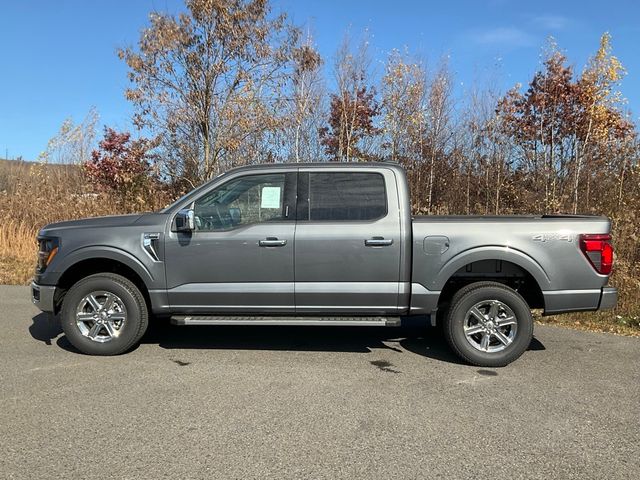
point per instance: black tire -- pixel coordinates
(462, 303)
(132, 328)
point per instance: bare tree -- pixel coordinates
(306, 103)
(437, 129)
(404, 91)
(74, 142)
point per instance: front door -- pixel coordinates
(347, 257)
(240, 257)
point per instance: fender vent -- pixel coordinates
(150, 243)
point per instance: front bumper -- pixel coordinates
(42, 296)
(608, 298)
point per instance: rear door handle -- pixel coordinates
(378, 242)
(272, 242)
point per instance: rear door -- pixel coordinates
(347, 241)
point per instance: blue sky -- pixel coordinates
(57, 58)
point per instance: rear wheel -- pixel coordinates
(488, 324)
(104, 314)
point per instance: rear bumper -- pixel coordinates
(42, 296)
(563, 301)
(608, 298)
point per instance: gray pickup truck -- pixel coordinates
(320, 244)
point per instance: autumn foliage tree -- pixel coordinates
(122, 167)
(417, 121)
(210, 82)
(600, 124)
(350, 121)
(564, 128)
(353, 108)
(541, 122)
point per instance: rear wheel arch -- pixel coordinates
(499, 270)
(496, 254)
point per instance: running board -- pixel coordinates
(298, 321)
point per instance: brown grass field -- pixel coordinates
(32, 195)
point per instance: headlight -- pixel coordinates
(47, 249)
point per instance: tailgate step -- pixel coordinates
(257, 320)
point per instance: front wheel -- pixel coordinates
(488, 324)
(104, 314)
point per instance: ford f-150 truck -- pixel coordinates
(320, 244)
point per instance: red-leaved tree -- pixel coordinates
(350, 122)
(123, 167)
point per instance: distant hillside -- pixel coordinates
(19, 172)
(25, 164)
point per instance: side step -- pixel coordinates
(250, 320)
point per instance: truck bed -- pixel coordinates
(546, 247)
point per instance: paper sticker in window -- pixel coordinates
(270, 197)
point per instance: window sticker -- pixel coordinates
(270, 197)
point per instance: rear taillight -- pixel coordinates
(599, 251)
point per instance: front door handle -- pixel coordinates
(272, 242)
(378, 242)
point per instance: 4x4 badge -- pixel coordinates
(545, 237)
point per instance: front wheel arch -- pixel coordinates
(92, 266)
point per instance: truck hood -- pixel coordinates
(96, 222)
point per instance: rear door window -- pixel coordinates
(344, 196)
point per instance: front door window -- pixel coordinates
(245, 201)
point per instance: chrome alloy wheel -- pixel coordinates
(490, 326)
(100, 316)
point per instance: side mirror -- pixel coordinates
(185, 220)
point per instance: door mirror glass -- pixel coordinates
(185, 220)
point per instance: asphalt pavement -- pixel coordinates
(295, 402)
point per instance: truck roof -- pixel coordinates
(327, 164)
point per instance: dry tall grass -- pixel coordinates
(33, 195)
(17, 251)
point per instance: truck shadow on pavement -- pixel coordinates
(425, 341)
(45, 328)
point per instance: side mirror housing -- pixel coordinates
(185, 220)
